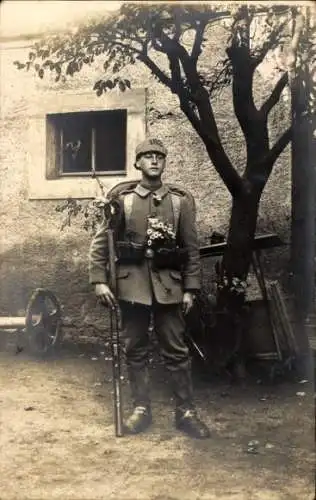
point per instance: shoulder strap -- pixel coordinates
(176, 207)
(180, 191)
(122, 188)
(128, 206)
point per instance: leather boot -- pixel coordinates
(188, 422)
(181, 383)
(186, 417)
(139, 385)
(139, 420)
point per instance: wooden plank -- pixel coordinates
(284, 317)
(261, 242)
(12, 322)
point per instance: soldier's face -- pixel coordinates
(151, 164)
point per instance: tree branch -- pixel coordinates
(177, 24)
(279, 146)
(196, 49)
(264, 166)
(243, 71)
(176, 75)
(217, 155)
(164, 79)
(275, 95)
(192, 117)
(224, 167)
(128, 48)
(206, 126)
(243, 102)
(199, 95)
(184, 97)
(260, 171)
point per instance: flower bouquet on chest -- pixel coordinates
(160, 234)
(161, 244)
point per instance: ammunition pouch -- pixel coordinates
(129, 252)
(170, 258)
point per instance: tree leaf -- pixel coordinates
(122, 85)
(109, 84)
(69, 70)
(19, 65)
(106, 65)
(48, 64)
(97, 84)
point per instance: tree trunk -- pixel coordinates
(237, 258)
(303, 187)
(232, 274)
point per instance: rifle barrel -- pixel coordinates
(115, 342)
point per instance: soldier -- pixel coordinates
(158, 272)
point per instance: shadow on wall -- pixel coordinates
(58, 265)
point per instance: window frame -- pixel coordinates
(43, 180)
(92, 127)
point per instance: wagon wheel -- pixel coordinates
(43, 321)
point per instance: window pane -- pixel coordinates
(110, 140)
(86, 139)
(75, 142)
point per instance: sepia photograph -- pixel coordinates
(157, 240)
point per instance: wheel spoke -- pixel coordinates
(43, 320)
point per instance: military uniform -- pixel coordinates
(141, 283)
(144, 288)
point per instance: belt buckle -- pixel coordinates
(149, 253)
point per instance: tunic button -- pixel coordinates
(149, 253)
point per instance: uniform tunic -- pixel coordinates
(140, 283)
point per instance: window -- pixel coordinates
(72, 132)
(87, 141)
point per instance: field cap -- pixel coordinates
(151, 145)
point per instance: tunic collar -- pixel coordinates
(159, 193)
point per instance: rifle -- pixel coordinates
(115, 341)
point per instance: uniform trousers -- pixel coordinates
(169, 327)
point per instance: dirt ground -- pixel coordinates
(57, 437)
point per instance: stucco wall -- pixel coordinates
(33, 250)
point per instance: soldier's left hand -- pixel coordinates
(187, 302)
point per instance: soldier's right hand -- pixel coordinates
(105, 296)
